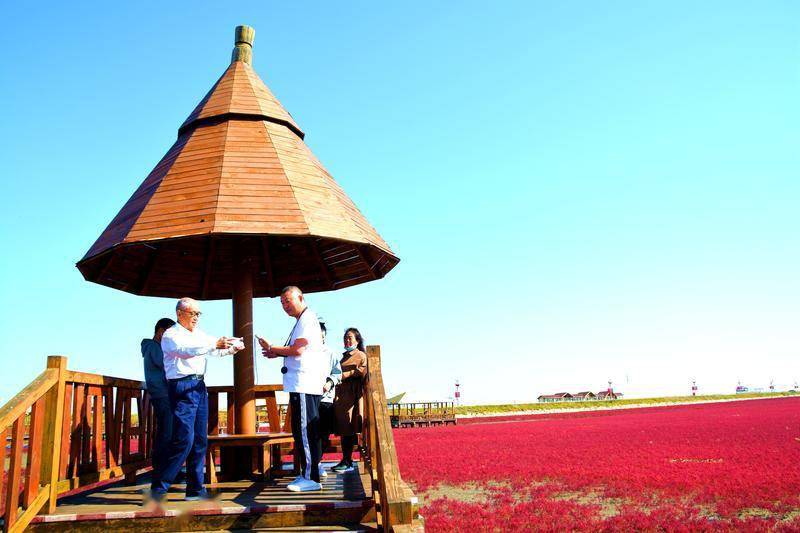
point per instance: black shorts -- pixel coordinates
(327, 421)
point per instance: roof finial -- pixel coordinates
(243, 51)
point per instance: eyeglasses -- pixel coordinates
(192, 313)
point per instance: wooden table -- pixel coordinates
(266, 454)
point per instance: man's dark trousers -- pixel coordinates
(305, 430)
(163, 436)
(188, 399)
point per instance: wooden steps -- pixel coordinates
(343, 503)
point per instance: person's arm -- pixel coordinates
(156, 358)
(359, 371)
(335, 376)
(221, 352)
(201, 345)
(295, 349)
(336, 371)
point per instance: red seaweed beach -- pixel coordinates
(712, 467)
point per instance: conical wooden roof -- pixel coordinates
(239, 175)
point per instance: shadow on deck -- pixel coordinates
(344, 501)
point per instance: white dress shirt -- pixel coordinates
(185, 351)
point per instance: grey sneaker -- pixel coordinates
(304, 485)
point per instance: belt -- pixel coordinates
(195, 377)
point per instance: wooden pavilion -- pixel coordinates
(237, 208)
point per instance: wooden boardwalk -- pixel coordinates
(345, 500)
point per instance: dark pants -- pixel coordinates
(162, 437)
(188, 399)
(327, 424)
(305, 430)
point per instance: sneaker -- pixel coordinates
(304, 485)
(202, 495)
(322, 472)
(343, 466)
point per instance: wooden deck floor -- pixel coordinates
(345, 500)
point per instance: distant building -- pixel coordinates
(557, 397)
(585, 396)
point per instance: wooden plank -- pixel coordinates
(3, 453)
(110, 427)
(366, 262)
(66, 430)
(145, 427)
(273, 415)
(86, 435)
(14, 472)
(257, 388)
(67, 485)
(207, 270)
(97, 431)
(31, 510)
(141, 413)
(229, 422)
(34, 465)
(213, 413)
(20, 403)
(265, 255)
(147, 271)
(84, 378)
(126, 423)
(76, 437)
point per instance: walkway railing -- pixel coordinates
(395, 502)
(69, 430)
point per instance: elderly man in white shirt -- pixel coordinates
(186, 349)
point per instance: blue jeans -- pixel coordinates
(188, 399)
(163, 435)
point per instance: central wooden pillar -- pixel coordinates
(243, 375)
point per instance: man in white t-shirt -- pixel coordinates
(305, 369)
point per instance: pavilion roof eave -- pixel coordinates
(227, 234)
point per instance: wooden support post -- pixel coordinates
(243, 375)
(54, 419)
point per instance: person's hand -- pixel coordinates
(223, 343)
(269, 354)
(264, 344)
(328, 385)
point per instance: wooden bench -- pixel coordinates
(266, 452)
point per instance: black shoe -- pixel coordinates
(343, 466)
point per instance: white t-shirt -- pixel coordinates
(306, 373)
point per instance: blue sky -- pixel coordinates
(577, 191)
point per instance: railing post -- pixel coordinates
(54, 418)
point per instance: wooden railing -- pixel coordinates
(422, 414)
(69, 430)
(395, 501)
(262, 392)
(101, 437)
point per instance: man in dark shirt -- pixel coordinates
(159, 394)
